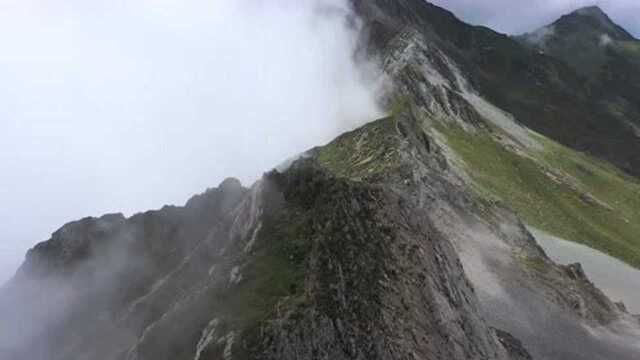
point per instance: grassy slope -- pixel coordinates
(276, 272)
(559, 190)
(362, 153)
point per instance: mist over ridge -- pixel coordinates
(139, 104)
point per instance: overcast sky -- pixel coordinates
(518, 16)
(123, 106)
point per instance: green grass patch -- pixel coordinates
(362, 153)
(561, 191)
(275, 275)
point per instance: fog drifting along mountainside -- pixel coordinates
(138, 104)
(402, 239)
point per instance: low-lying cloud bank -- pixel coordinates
(124, 106)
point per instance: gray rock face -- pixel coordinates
(513, 346)
(383, 284)
(402, 263)
(338, 269)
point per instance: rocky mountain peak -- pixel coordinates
(592, 11)
(230, 184)
(588, 26)
(589, 19)
(581, 38)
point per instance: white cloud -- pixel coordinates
(605, 40)
(540, 36)
(125, 106)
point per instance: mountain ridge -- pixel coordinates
(605, 55)
(402, 239)
(602, 19)
(542, 92)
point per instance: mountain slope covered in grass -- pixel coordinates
(566, 193)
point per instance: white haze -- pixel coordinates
(123, 106)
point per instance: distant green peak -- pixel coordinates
(593, 10)
(594, 13)
(591, 18)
